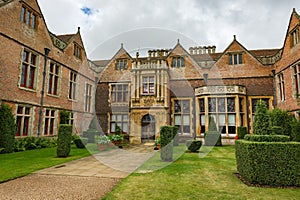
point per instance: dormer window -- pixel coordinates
(28, 17)
(121, 64)
(178, 62)
(295, 37)
(77, 51)
(235, 58)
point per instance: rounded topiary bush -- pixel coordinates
(8, 129)
(193, 145)
(64, 140)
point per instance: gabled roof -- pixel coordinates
(65, 38)
(101, 63)
(264, 52)
(206, 56)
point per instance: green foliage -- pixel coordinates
(102, 139)
(269, 163)
(30, 143)
(116, 137)
(166, 137)
(176, 136)
(7, 129)
(295, 133)
(212, 138)
(280, 122)
(193, 145)
(212, 124)
(242, 131)
(267, 138)
(64, 140)
(261, 119)
(64, 116)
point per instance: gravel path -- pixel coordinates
(56, 187)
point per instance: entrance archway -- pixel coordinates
(148, 128)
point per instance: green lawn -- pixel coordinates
(195, 176)
(19, 164)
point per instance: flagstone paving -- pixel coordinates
(87, 178)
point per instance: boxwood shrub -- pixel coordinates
(242, 131)
(8, 129)
(166, 143)
(64, 140)
(267, 138)
(193, 145)
(269, 163)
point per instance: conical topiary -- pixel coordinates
(261, 119)
(212, 124)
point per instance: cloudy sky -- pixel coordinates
(145, 24)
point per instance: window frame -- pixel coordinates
(77, 51)
(29, 70)
(54, 78)
(29, 17)
(235, 58)
(295, 36)
(177, 62)
(295, 69)
(182, 111)
(150, 85)
(117, 94)
(73, 85)
(121, 64)
(23, 121)
(281, 87)
(88, 97)
(119, 120)
(50, 122)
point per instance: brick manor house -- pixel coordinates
(26, 47)
(183, 88)
(42, 74)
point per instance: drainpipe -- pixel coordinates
(42, 91)
(274, 88)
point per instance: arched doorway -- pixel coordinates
(148, 128)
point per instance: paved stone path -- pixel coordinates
(87, 178)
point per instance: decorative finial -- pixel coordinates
(234, 37)
(121, 45)
(78, 28)
(294, 9)
(178, 41)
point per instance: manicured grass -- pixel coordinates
(195, 176)
(14, 165)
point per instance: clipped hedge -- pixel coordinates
(242, 131)
(193, 145)
(267, 138)
(64, 140)
(269, 163)
(212, 138)
(166, 142)
(8, 129)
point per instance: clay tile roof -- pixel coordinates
(65, 38)
(264, 52)
(206, 57)
(101, 63)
